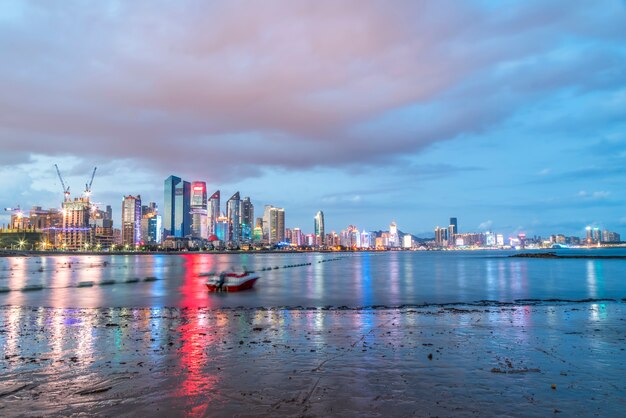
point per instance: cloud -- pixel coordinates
(242, 87)
(484, 226)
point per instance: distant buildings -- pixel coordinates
(246, 212)
(76, 232)
(233, 218)
(177, 207)
(131, 220)
(151, 225)
(214, 212)
(198, 207)
(318, 228)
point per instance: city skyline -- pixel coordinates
(508, 115)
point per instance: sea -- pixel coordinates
(312, 279)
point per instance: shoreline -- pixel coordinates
(502, 361)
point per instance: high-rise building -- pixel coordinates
(109, 212)
(275, 224)
(222, 229)
(131, 220)
(454, 225)
(441, 236)
(246, 211)
(77, 233)
(232, 213)
(151, 224)
(318, 230)
(297, 238)
(394, 239)
(176, 208)
(214, 212)
(257, 233)
(199, 213)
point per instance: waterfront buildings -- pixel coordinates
(318, 228)
(151, 225)
(273, 224)
(394, 239)
(232, 215)
(76, 232)
(199, 212)
(176, 208)
(246, 212)
(131, 220)
(214, 212)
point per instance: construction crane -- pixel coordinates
(66, 190)
(88, 185)
(18, 211)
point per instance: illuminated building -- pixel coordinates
(407, 241)
(49, 222)
(608, 236)
(499, 240)
(454, 225)
(597, 236)
(77, 233)
(589, 235)
(366, 239)
(131, 220)
(318, 228)
(151, 224)
(273, 224)
(214, 212)
(394, 240)
(199, 218)
(441, 236)
(257, 234)
(246, 212)
(222, 229)
(232, 213)
(297, 237)
(102, 228)
(176, 211)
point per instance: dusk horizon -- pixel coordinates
(509, 116)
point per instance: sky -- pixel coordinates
(509, 115)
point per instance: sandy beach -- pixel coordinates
(534, 360)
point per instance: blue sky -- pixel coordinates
(509, 115)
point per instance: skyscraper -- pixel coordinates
(199, 226)
(246, 212)
(318, 228)
(214, 212)
(131, 220)
(151, 224)
(176, 213)
(454, 225)
(276, 225)
(232, 213)
(394, 239)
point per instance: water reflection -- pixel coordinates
(365, 279)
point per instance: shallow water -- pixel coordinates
(516, 361)
(88, 335)
(348, 279)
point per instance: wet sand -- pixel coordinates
(538, 360)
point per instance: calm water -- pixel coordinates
(354, 280)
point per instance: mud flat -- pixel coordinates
(520, 360)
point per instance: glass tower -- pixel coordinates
(232, 213)
(319, 228)
(176, 207)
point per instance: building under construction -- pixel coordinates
(77, 233)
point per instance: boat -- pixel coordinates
(234, 282)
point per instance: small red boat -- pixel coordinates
(233, 282)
